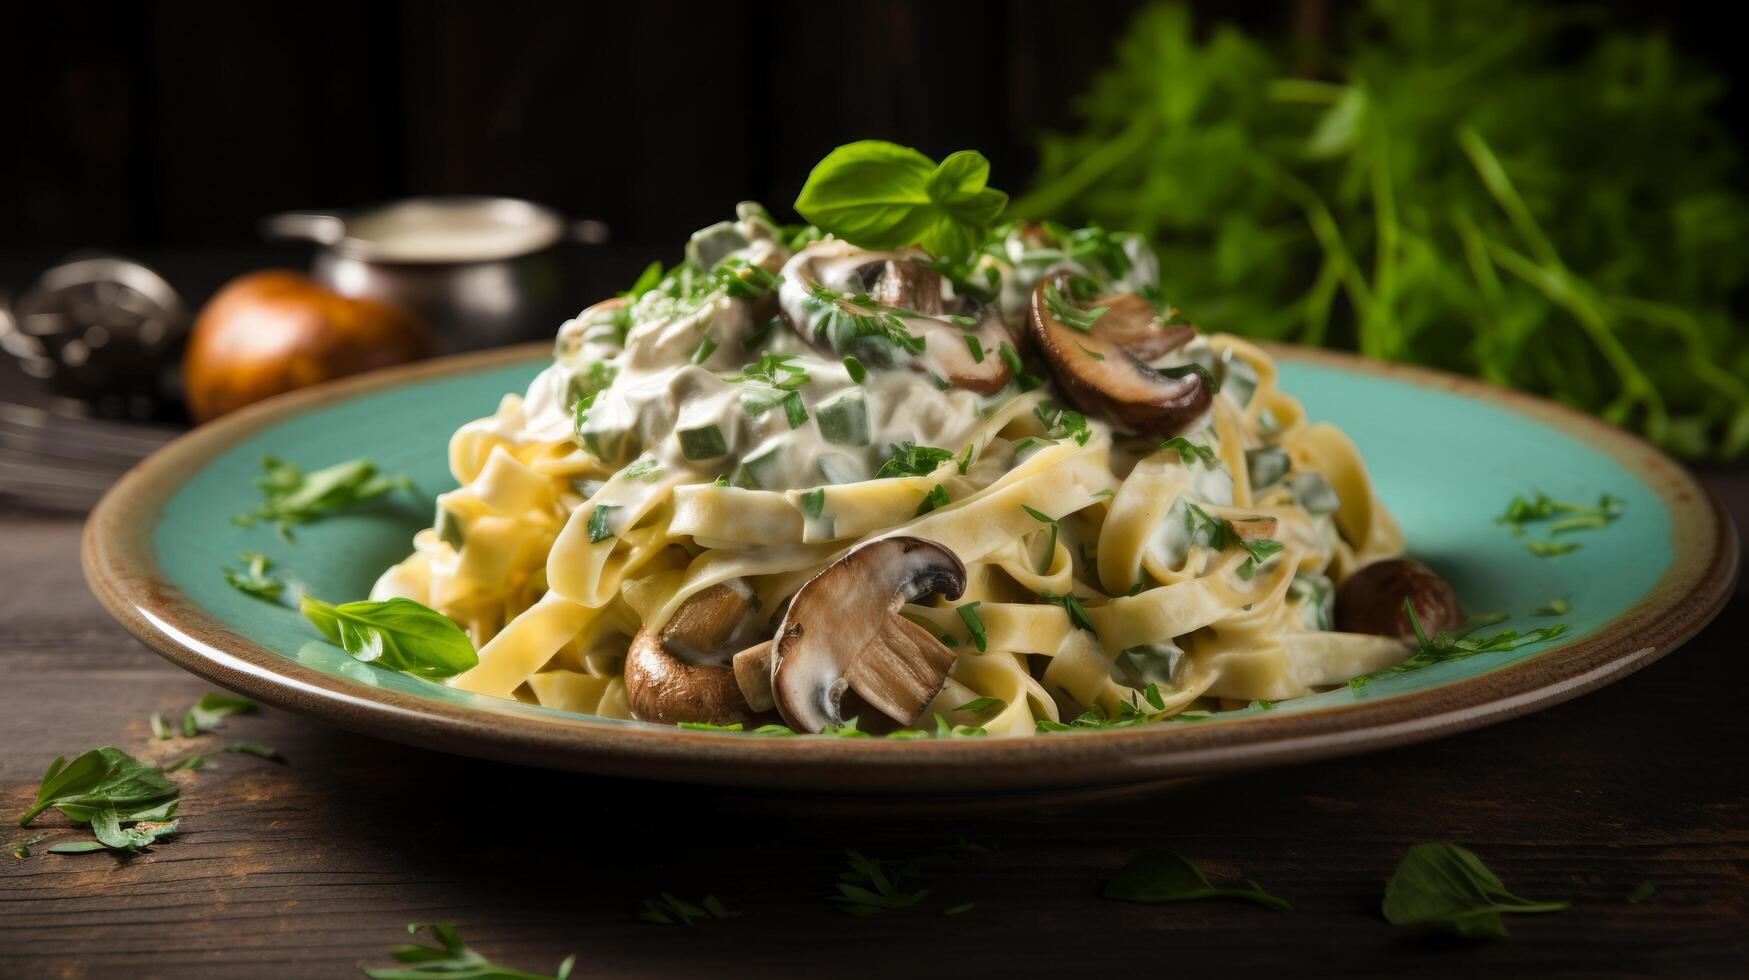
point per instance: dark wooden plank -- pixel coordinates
(310, 869)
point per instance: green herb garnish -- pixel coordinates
(252, 579)
(600, 523)
(1445, 646)
(1070, 314)
(1051, 546)
(1160, 875)
(210, 711)
(451, 958)
(399, 634)
(666, 910)
(910, 459)
(291, 496)
(1188, 451)
(1442, 886)
(866, 888)
(880, 195)
(1071, 604)
(105, 779)
(257, 750)
(1640, 893)
(706, 347)
(854, 368)
(1551, 549)
(936, 497)
(968, 614)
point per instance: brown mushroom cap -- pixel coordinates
(903, 284)
(677, 674)
(1104, 371)
(843, 632)
(1371, 600)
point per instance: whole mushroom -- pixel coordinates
(682, 672)
(898, 285)
(843, 632)
(1103, 369)
(1371, 600)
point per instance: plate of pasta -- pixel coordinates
(801, 512)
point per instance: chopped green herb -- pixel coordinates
(843, 418)
(253, 579)
(1445, 646)
(772, 371)
(1068, 313)
(1443, 887)
(814, 502)
(968, 614)
(1556, 607)
(1178, 371)
(958, 909)
(1160, 875)
(256, 749)
(1640, 893)
(1011, 358)
(643, 468)
(451, 958)
(705, 726)
(976, 347)
(1551, 549)
(982, 704)
(854, 368)
(1259, 705)
(866, 888)
(1105, 494)
(967, 457)
(1071, 605)
(193, 763)
(291, 496)
(160, 728)
(1188, 451)
(211, 711)
(706, 347)
(1090, 352)
(910, 459)
(1050, 547)
(936, 497)
(397, 633)
(600, 523)
(666, 910)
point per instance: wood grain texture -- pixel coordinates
(314, 868)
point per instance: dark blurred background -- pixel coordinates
(177, 124)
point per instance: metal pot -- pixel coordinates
(480, 271)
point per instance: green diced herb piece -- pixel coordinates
(837, 468)
(1068, 313)
(1189, 451)
(253, 579)
(211, 711)
(814, 502)
(1640, 893)
(1011, 358)
(1160, 875)
(702, 443)
(1314, 493)
(1151, 663)
(1071, 604)
(1051, 547)
(967, 457)
(1556, 607)
(399, 634)
(448, 528)
(760, 467)
(795, 411)
(1267, 466)
(854, 368)
(982, 704)
(976, 347)
(1441, 886)
(843, 419)
(910, 459)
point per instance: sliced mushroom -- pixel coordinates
(1104, 370)
(1254, 528)
(1371, 600)
(898, 285)
(680, 673)
(843, 632)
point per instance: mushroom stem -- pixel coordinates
(753, 676)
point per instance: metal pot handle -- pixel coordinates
(322, 227)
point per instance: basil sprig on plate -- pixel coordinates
(881, 195)
(399, 634)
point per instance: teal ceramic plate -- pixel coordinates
(1447, 454)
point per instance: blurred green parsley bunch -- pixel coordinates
(1517, 191)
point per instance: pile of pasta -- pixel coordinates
(552, 606)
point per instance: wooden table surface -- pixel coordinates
(313, 868)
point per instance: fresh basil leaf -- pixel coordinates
(1443, 887)
(1160, 875)
(399, 634)
(881, 195)
(291, 496)
(103, 778)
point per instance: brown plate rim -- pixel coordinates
(121, 568)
